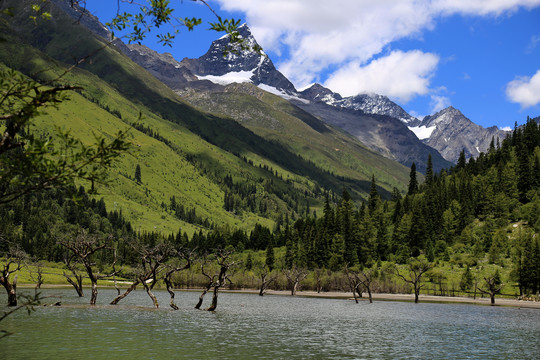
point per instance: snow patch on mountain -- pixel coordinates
(422, 132)
(281, 93)
(229, 78)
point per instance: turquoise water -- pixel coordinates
(247, 326)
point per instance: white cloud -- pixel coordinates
(399, 75)
(438, 103)
(319, 34)
(525, 90)
(506, 128)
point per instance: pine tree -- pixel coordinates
(373, 196)
(413, 183)
(429, 172)
(270, 257)
(462, 161)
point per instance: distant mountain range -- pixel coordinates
(374, 119)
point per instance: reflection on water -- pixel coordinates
(247, 326)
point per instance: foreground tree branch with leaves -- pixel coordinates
(30, 162)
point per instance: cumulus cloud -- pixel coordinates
(399, 75)
(525, 90)
(318, 35)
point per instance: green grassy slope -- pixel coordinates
(274, 118)
(194, 151)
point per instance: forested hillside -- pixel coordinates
(204, 184)
(210, 165)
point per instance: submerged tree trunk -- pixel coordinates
(170, 290)
(265, 282)
(369, 295)
(76, 284)
(151, 294)
(201, 297)
(126, 293)
(11, 289)
(93, 297)
(214, 298)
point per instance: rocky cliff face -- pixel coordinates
(239, 64)
(382, 133)
(452, 132)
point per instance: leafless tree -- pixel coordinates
(493, 286)
(294, 277)
(360, 279)
(14, 262)
(416, 268)
(217, 280)
(318, 279)
(82, 248)
(354, 283)
(153, 261)
(266, 280)
(185, 255)
(77, 279)
(39, 275)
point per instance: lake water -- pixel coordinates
(247, 326)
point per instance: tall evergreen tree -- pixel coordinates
(462, 161)
(413, 183)
(429, 172)
(373, 196)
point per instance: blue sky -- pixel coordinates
(480, 56)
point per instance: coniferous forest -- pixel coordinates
(473, 226)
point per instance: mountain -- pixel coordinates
(373, 119)
(450, 132)
(376, 121)
(385, 134)
(238, 64)
(368, 103)
(200, 158)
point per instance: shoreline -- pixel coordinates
(501, 302)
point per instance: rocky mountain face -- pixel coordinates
(368, 103)
(452, 132)
(240, 64)
(375, 120)
(382, 133)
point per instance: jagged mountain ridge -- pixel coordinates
(368, 103)
(452, 132)
(213, 71)
(385, 134)
(240, 62)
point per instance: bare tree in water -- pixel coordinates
(153, 259)
(14, 261)
(183, 255)
(416, 268)
(217, 280)
(493, 286)
(361, 278)
(294, 277)
(83, 248)
(266, 279)
(355, 285)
